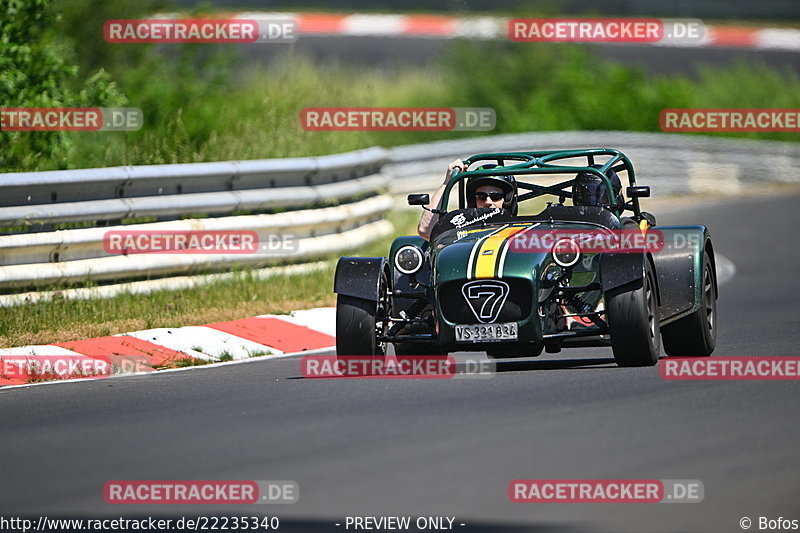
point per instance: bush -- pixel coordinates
(35, 71)
(202, 103)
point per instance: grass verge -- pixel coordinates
(234, 111)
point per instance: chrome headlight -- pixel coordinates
(408, 259)
(566, 252)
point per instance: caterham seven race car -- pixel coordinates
(590, 268)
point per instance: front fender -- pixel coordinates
(679, 266)
(360, 277)
(619, 269)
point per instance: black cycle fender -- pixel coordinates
(359, 277)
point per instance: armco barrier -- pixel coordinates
(33, 254)
(43, 198)
(669, 163)
(75, 255)
(208, 203)
(59, 186)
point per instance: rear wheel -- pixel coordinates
(632, 315)
(359, 323)
(696, 335)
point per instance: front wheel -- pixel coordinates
(632, 315)
(359, 323)
(696, 335)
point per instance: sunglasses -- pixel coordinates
(494, 195)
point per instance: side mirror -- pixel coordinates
(638, 191)
(419, 199)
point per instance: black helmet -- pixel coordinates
(590, 189)
(507, 183)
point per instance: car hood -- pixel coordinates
(493, 251)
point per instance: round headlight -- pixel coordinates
(566, 252)
(408, 259)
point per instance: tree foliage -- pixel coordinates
(37, 70)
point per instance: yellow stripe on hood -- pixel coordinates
(489, 251)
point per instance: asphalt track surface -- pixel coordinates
(448, 447)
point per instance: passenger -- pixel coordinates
(590, 190)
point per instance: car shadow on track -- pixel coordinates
(505, 365)
(483, 365)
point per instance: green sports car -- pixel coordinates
(513, 278)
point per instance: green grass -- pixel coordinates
(258, 353)
(201, 105)
(186, 362)
(225, 356)
(245, 296)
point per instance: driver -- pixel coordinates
(482, 191)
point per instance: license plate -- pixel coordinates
(486, 332)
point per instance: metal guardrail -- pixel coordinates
(668, 163)
(37, 188)
(33, 254)
(27, 259)
(175, 205)
(115, 193)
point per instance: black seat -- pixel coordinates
(572, 213)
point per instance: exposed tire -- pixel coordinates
(360, 321)
(632, 314)
(696, 335)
